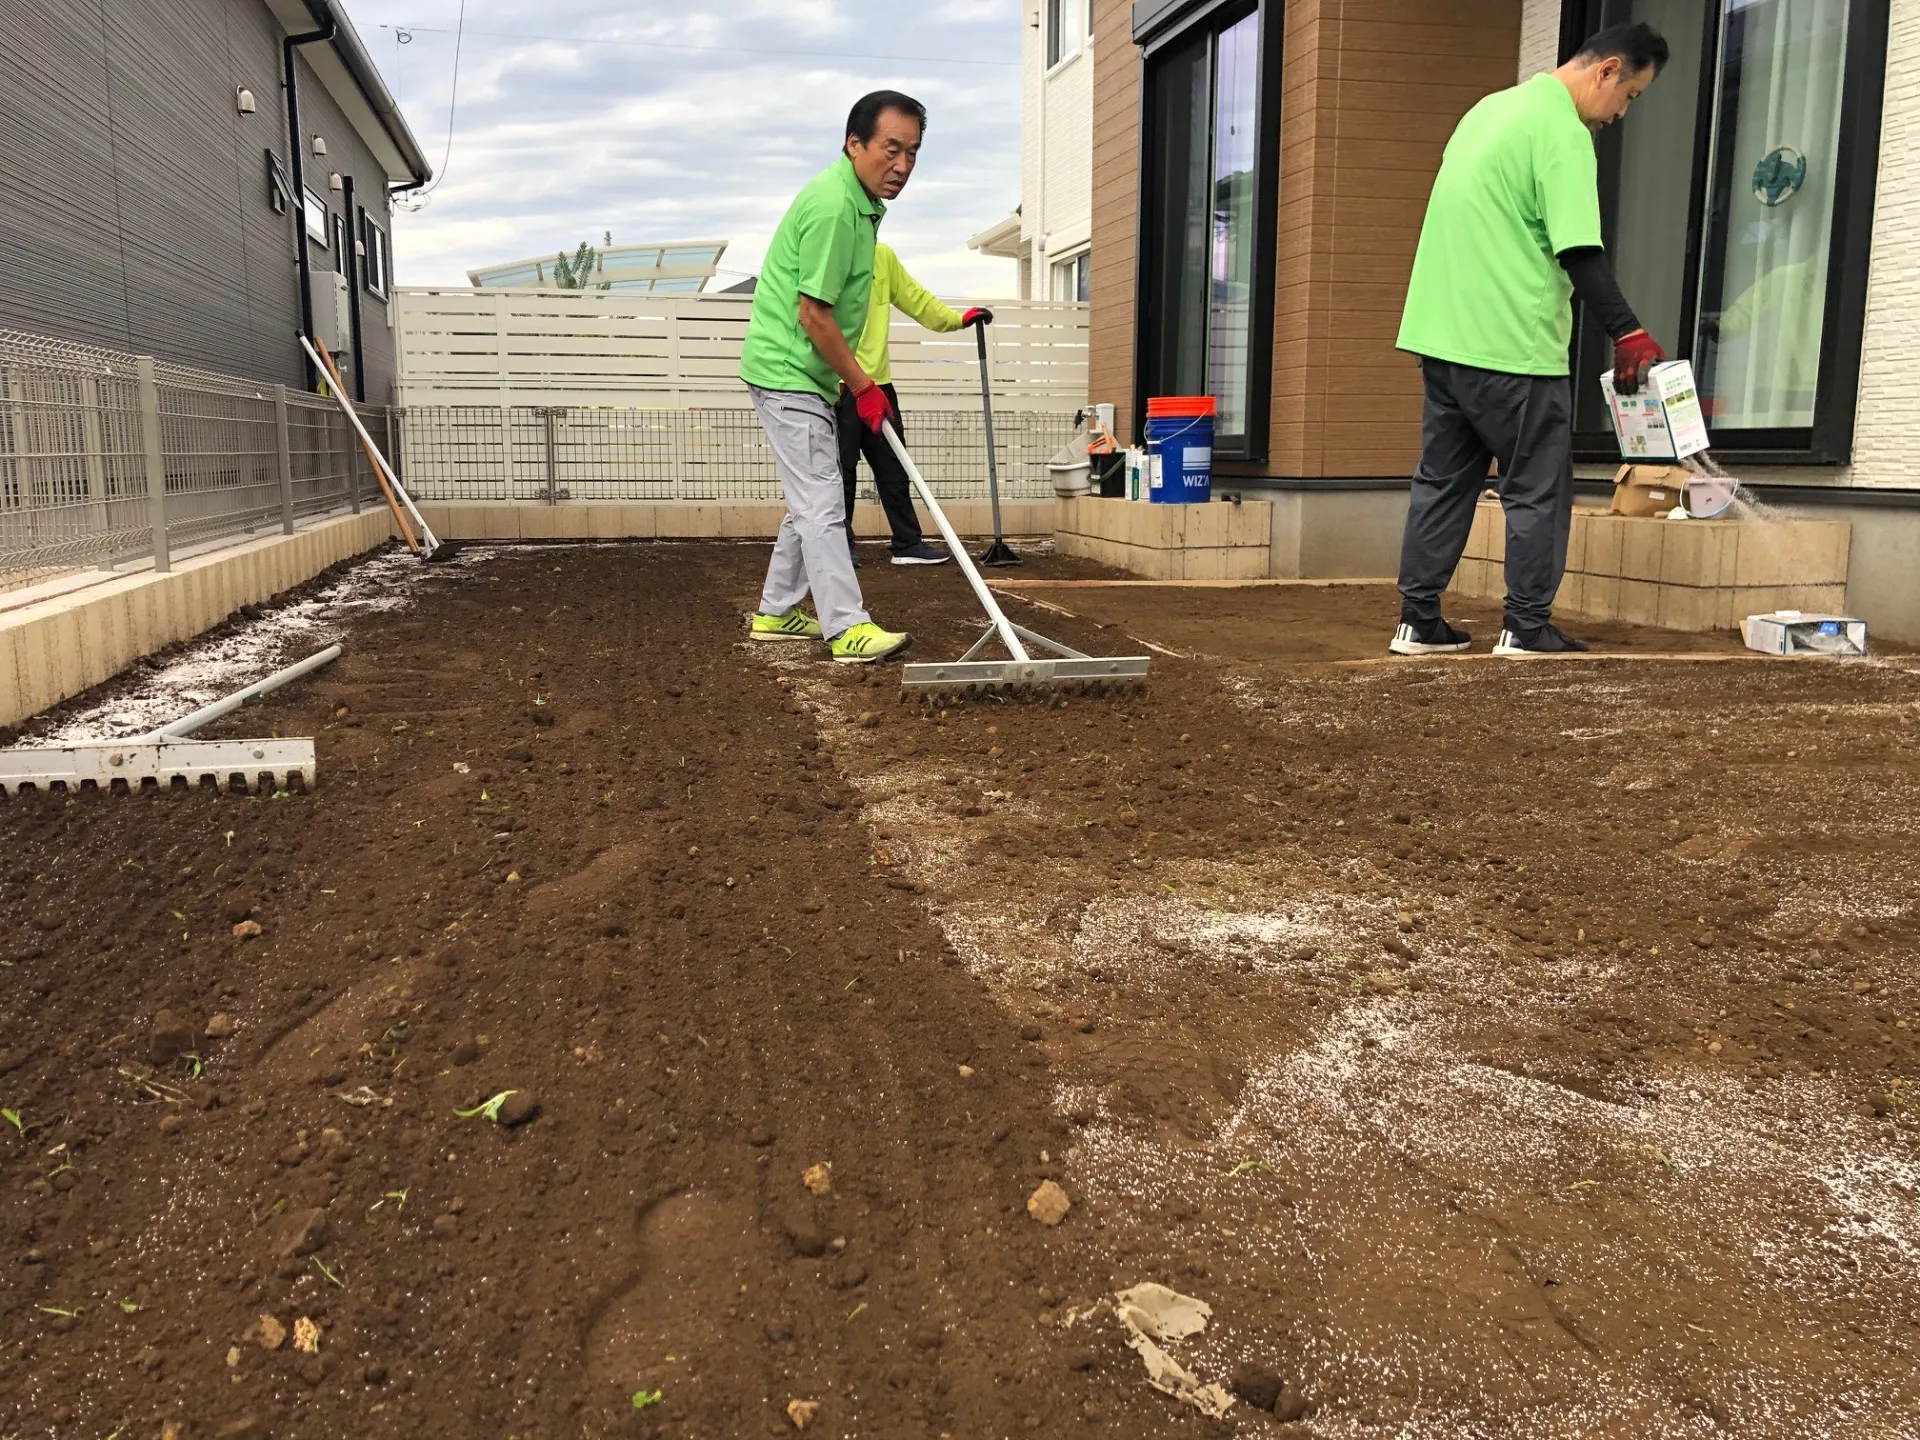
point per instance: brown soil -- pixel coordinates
(1506, 1050)
(1309, 624)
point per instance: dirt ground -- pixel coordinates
(1499, 1049)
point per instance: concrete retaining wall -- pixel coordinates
(55, 648)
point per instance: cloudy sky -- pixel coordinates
(693, 120)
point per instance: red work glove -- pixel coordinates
(874, 407)
(1633, 356)
(978, 315)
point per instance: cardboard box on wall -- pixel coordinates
(1664, 421)
(1643, 490)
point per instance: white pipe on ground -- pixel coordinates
(207, 714)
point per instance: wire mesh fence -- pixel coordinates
(109, 458)
(585, 453)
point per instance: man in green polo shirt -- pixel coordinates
(809, 308)
(1512, 234)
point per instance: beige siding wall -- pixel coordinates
(1887, 440)
(1115, 200)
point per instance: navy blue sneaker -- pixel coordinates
(921, 554)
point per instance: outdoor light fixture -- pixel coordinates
(319, 144)
(243, 100)
(333, 181)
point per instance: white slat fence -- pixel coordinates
(565, 395)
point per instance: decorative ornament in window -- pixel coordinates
(1779, 176)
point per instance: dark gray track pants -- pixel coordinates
(1473, 417)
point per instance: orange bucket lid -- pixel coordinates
(1168, 407)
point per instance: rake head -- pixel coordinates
(167, 764)
(1064, 672)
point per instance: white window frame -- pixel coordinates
(1060, 39)
(318, 219)
(375, 247)
(1074, 268)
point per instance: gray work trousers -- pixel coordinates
(1473, 417)
(810, 552)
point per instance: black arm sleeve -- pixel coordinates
(1592, 275)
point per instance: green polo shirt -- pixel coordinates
(1517, 186)
(823, 248)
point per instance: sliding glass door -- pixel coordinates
(1738, 196)
(1205, 284)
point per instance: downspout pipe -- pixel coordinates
(296, 156)
(352, 261)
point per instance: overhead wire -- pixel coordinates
(419, 197)
(723, 49)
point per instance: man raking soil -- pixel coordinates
(809, 310)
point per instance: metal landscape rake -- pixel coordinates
(166, 758)
(1060, 669)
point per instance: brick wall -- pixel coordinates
(1115, 202)
(1887, 441)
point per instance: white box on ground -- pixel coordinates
(1664, 421)
(1793, 632)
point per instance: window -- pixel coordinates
(316, 214)
(1062, 30)
(376, 260)
(340, 242)
(1208, 190)
(1072, 278)
(1738, 196)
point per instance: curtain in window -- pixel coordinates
(1763, 303)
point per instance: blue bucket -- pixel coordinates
(1180, 450)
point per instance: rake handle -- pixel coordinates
(389, 481)
(986, 410)
(1008, 635)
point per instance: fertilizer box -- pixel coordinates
(1793, 632)
(1664, 421)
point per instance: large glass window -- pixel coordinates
(1202, 326)
(1735, 192)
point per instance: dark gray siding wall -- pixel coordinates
(135, 210)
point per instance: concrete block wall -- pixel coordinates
(696, 520)
(1676, 574)
(55, 648)
(1168, 542)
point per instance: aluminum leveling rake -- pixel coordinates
(1060, 669)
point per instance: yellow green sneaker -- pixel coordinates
(791, 626)
(863, 644)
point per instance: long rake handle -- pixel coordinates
(986, 410)
(1008, 635)
(339, 388)
(389, 480)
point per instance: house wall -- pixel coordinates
(1539, 37)
(1371, 91)
(1115, 212)
(1056, 180)
(134, 209)
(1886, 444)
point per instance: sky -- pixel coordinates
(693, 120)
